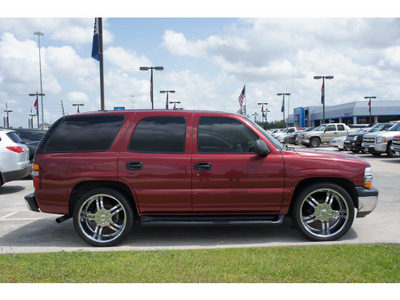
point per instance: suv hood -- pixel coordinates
(326, 154)
(382, 133)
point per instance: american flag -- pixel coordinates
(241, 97)
(322, 93)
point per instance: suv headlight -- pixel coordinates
(355, 138)
(368, 177)
(381, 139)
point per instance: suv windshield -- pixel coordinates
(320, 128)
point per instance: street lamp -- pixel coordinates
(151, 80)
(39, 34)
(167, 92)
(37, 106)
(7, 122)
(370, 106)
(174, 103)
(132, 100)
(283, 105)
(262, 109)
(323, 94)
(77, 110)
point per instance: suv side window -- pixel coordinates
(159, 135)
(341, 127)
(331, 128)
(84, 134)
(224, 135)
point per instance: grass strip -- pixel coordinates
(302, 264)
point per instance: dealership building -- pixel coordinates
(349, 113)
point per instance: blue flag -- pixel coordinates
(95, 46)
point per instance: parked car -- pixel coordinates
(338, 143)
(14, 157)
(324, 134)
(109, 170)
(380, 142)
(32, 138)
(395, 147)
(353, 141)
(280, 136)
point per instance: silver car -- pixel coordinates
(14, 157)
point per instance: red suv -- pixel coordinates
(109, 170)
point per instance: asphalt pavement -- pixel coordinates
(24, 231)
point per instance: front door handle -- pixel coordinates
(134, 165)
(202, 166)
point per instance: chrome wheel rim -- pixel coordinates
(324, 213)
(102, 218)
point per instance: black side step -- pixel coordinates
(272, 219)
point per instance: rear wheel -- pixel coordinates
(323, 212)
(103, 217)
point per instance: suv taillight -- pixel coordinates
(16, 149)
(35, 175)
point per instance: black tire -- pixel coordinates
(323, 211)
(389, 152)
(103, 217)
(315, 142)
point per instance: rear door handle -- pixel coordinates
(134, 165)
(202, 166)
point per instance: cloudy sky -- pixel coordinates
(207, 61)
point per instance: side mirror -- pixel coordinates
(261, 148)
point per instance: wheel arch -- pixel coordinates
(342, 182)
(83, 187)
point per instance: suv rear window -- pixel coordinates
(159, 135)
(84, 134)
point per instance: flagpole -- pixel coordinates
(102, 104)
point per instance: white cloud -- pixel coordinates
(125, 60)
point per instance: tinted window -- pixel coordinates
(331, 128)
(84, 134)
(14, 137)
(341, 127)
(224, 135)
(159, 135)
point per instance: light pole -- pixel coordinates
(167, 92)
(370, 106)
(283, 105)
(323, 94)
(39, 34)
(132, 100)
(262, 109)
(7, 123)
(37, 106)
(151, 80)
(175, 103)
(78, 104)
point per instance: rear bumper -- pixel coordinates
(367, 200)
(31, 203)
(17, 174)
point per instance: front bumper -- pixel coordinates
(375, 148)
(367, 200)
(396, 150)
(31, 203)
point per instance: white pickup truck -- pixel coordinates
(324, 133)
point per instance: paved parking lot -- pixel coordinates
(24, 231)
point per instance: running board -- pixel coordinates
(273, 219)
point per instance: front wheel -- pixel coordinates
(323, 212)
(103, 217)
(389, 151)
(315, 142)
